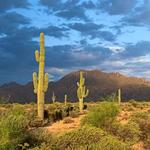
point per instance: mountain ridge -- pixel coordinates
(99, 83)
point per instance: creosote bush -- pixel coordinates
(13, 125)
(83, 136)
(129, 132)
(101, 115)
(107, 143)
(89, 138)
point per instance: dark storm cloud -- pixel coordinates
(9, 4)
(68, 56)
(69, 10)
(51, 4)
(75, 12)
(117, 7)
(11, 21)
(93, 30)
(140, 16)
(55, 31)
(141, 48)
(88, 4)
(17, 52)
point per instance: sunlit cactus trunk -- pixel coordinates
(41, 80)
(81, 91)
(119, 96)
(65, 100)
(53, 98)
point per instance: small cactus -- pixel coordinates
(81, 91)
(40, 81)
(53, 98)
(65, 99)
(119, 96)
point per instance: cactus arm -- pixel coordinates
(46, 79)
(37, 56)
(35, 82)
(87, 93)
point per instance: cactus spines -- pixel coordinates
(53, 98)
(119, 96)
(81, 91)
(40, 81)
(65, 99)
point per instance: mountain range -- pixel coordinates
(100, 84)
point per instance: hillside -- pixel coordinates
(99, 83)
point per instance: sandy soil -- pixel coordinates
(60, 126)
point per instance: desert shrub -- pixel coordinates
(133, 102)
(127, 107)
(89, 138)
(83, 136)
(40, 138)
(107, 143)
(110, 98)
(68, 120)
(74, 113)
(102, 114)
(129, 132)
(147, 143)
(13, 127)
(143, 120)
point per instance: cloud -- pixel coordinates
(68, 56)
(9, 4)
(51, 4)
(11, 21)
(93, 30)
(55, 31)
(117, 7)
(141, 15)
(69, 10)
(141, 48)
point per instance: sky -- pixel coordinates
(106, 35)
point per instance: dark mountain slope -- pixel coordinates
(99, 83)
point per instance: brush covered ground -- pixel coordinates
(101, 126)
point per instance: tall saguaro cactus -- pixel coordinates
(119, 96)
(41, 80)
(81, 91)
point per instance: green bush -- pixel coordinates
(129, 132)
(110, 98)
(101, 115)
(13, 127)
(133, 103)
(89, 138)
(80, 137)
(107, 143)
(143, 120)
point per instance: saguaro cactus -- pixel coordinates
(53, 98)
(65, 99)
(119, 96)
(81, 91)
(41, 80)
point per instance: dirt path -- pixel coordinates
(60, 126)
